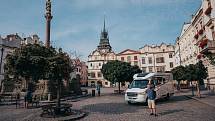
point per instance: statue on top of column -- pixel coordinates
(48, 6)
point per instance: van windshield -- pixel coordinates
(139, 84)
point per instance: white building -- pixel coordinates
(185, 49)
(34, 39)
(157, 58)
(198, 37)
(97, 58)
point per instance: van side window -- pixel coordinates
(159, 80)
(164, 80)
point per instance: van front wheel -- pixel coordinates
(129, 102)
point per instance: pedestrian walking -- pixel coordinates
(17, 99)
(25, 98)
(151, 93)
(98, 88)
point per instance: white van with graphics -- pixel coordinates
(136, 93)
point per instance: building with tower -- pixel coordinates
(97, 58)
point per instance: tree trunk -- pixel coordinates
(178, 85)
(119, 87)
(198, 90)
(58, 93)
(192, 88)
(1, 85)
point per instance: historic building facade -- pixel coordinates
(7, 46)
(80, 68)
(185, 50)
(157, 58)
(97, 58)
(130, 56)
(198, 37)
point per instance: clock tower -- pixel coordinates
(104, 44)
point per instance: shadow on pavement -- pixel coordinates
(173, 99)
(112, 108)
(170, 111)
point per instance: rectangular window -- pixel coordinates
(150, 60)
(160, 69)
(135, 57)
(160, 60)
(143, 60)
(128, 58)
(122, 58)
(170, 55)
(150, 69)
(143, 69)
(99, 74)
(171, 64)
(93, 75)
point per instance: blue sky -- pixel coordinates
(77, 24)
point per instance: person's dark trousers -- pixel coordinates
(98, 93)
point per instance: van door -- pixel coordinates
(160, 89)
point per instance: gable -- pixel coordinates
(128, 52)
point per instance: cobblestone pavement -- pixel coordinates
(112, 107)
(178, 108)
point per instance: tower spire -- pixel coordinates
(104, 29)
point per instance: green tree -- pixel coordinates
(75, 85)
(202, 73)
(29, 62)
(117, 71)
(59, 70)
(179, 73)
(197, 72)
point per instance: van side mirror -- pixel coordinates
(128, 85)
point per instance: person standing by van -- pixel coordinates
(98, 88)
(151, 93)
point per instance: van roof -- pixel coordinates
(148, 75)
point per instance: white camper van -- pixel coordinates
(136, 93)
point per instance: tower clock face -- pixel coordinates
(103, 50)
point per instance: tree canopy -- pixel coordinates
(118, 71)
(29, 62)
(33, 62)
(179, 73)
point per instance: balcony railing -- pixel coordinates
(205, 46)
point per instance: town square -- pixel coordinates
(106, 60)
